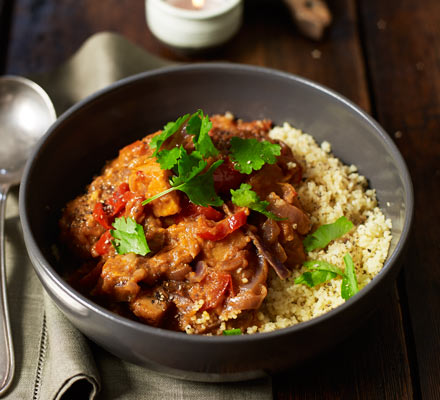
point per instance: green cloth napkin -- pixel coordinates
(53, 359)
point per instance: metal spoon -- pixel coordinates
(25, 114)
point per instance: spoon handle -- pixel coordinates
(6, 348)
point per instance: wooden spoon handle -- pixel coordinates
(310, 16)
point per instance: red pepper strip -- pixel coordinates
(190, 209)
(225, 227)
(231, 287)
(215, 289)
(104, 243)
(119, 199)
(104, 213)
(126, 197)
(101, 216)
(208, 212)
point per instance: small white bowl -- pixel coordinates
(193, 29)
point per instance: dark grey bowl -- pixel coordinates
(91, 132)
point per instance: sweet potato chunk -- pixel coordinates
(148, 180)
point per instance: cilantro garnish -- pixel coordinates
(231, 332)
(168, 158)
(199, 125)
(188, 168)
(200, 188)
(349, 282)
(251, 154)
(326, 233)
(247, 154)
(322, 271)
(129, 237)
(189, 179)
(168, 130)
(246, 197)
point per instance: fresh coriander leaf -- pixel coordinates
(231, 332)
(129, 237)
(188, 166)
(321, 271)
(323, 266)
(200, 188)
(246, 197)
(199, 125)
(194, 123)
(251, 154)
(156, 196)
(204, 142)
(314, 278)
(326, 233)
(168, 158)
(184, 165)
(168, 130)
(349, 283)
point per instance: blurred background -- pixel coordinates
(42, 34)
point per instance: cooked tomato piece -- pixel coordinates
(104, 244)
(119, 199)
(189, 209)
(209, 212)
(101, 216)
(226, 177)
(213, 289)
(105, 212)
(225, 227)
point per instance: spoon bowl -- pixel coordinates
(26, 112)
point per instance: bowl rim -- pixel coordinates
(91, 306)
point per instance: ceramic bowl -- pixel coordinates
(77, 145)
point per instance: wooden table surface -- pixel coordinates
(382, 55)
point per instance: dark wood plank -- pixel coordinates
(403, 41)
(371, 364)
(45, 33)
(268, 38)
(368, 365)
(5, 23)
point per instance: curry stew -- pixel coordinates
(208, 266)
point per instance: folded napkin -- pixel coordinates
(53, 359)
